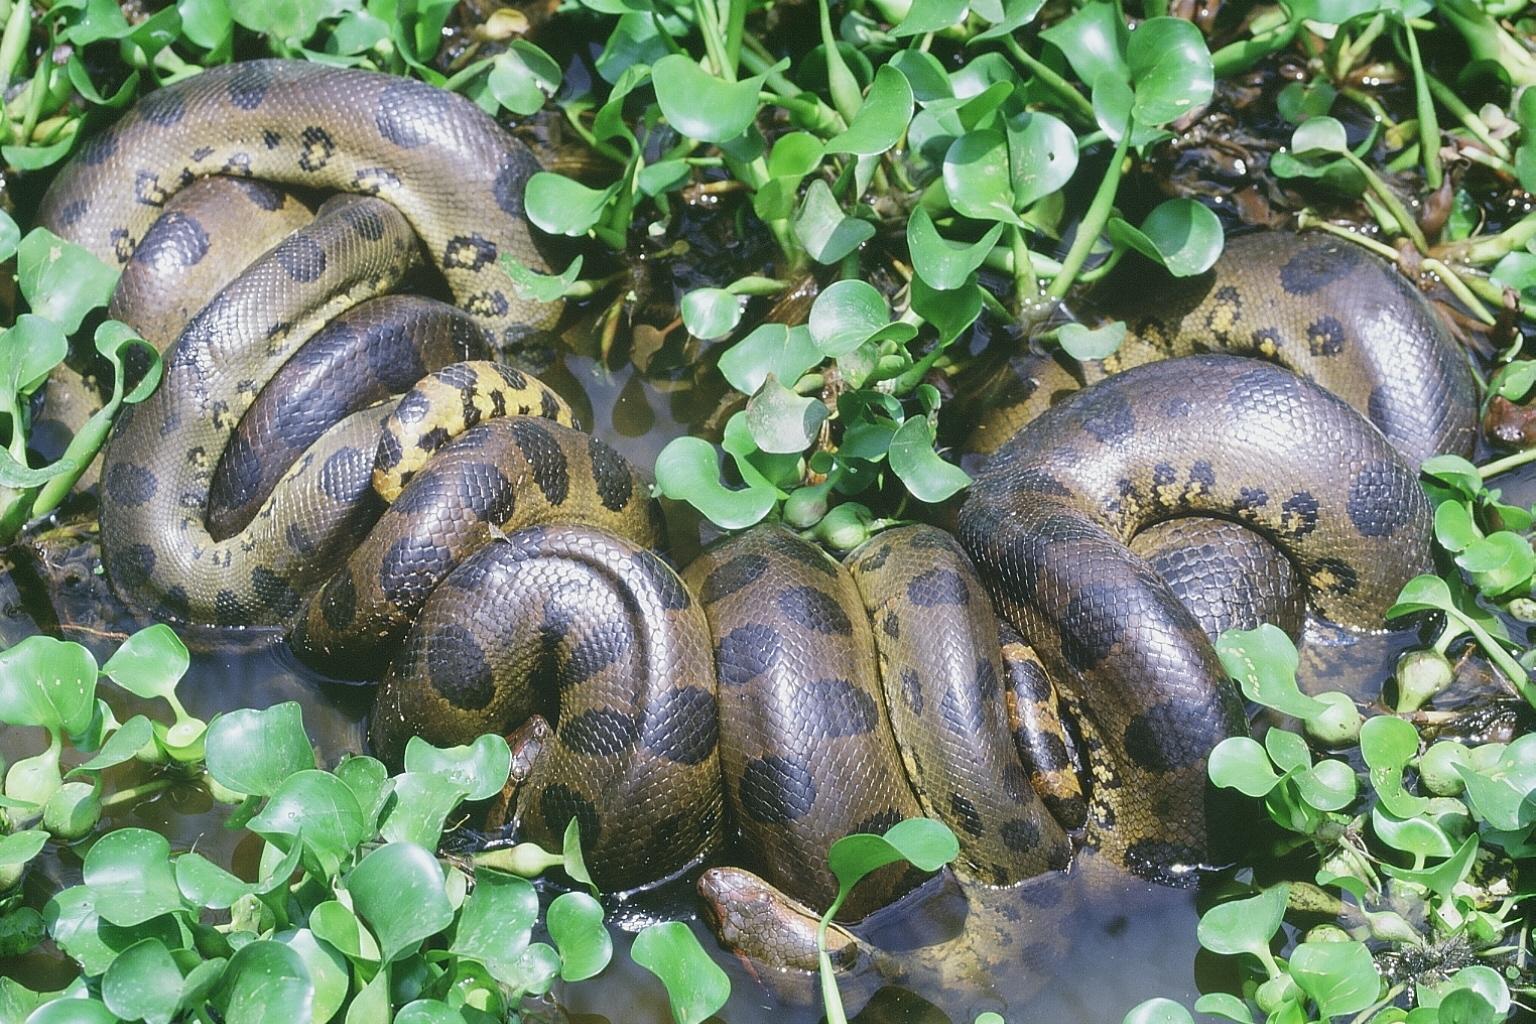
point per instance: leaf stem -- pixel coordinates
(1489, 470)
(1076, 103)
(134, 794)
(1094, 220)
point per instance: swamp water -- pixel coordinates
(1089, 949)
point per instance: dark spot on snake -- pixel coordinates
(1095, 625)
(390, 451)
(891, 624)
(364, 220)
(932, 540)
(128, 484)
(411, 114)
(487, 492)
(600, 732)
(1377, 504)
(1039, 481)
(1155, 740)
(746, 652)
(912, 690)
(879, 823)
(433, 439)
(413, 408)
(238, 476)
(549, 408)
(815, 610)
(297, 540)
(315, 148)
(663, 581)
(513, 377)
(874, 559)
(99, 149)
(371, 181)
(238, 165)
(345, 474)
(1105, 414)
(1250, 499)
(730, 577)
(1325, 336)
(1336, 575)
(544, 457)
(71, 212)
(808, 555)
(122, 248)
(1071, 811)
(1047, 753)
(986, 678)
(175, 604)
(133, 566)
(1027, 679)
(338, 601)
(270, 138)
(685, 727)
(1266, 341)
(610, 472)
(468, 252)
(458, 667)
(1158, 860)
(301, 256)
(248, 84)
(163, 108)
(424, 495)
(776, 790)
(228, 611)
(1298, 514)
(559, 803)
(458, 375)
(1310, 269)
(966, 815)
(835, 707)
(608, 641)
(938, 587)
(147, 190)
(1203, 476)
(274, 592)
(411, 568)
(1379, 410)
(175, 240)
(959, 715)
(1016, 783)
(1163, 475)
(508, 186)
(488, 303)
(1020, 835)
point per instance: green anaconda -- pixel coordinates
(769, 691)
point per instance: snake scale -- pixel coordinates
(508, 564)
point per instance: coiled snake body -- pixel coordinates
(770, 690)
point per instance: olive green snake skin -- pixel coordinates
(768, 693)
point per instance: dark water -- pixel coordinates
(1092, 942)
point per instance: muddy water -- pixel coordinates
(1091, 942)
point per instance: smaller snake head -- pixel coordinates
(768, 931)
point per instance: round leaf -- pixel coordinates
(827, 233)
(927, 476)
(782, 421)
(696, 986)
(700, 105)
(480, 768)
(1240, 763)
(942, 264)
(496, 922)
(48, 683)
(845, 315)
(1243, 926)
(149, 663)
(265, 981)
(575, 923)
(1340, 977)
(784, 352)
(561, 206)
(688, 470)
(143, 983)
(317, 809)
(882, 120)
(1187, 235)
(1170, 68)
(1158, 1011)
(1042, 152)
(978, 179)
(252, 752)
(397, 890)
(711, 313)
(129, 874)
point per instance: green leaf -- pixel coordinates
(950, 312)
(771, 349)
(711, 313)
(1328, 785)
(1158, 1011)
(327, 969)
(60, 280)
(1319, 136)
(978, 179)
(428, 1011)
(927, 476)
(336, 925)
(1264, 662)
(19, 847)
(49, 683)
(922, 842)
(125, 742)
(1340, 977)
(521, 77)
(1419, 836)
(1387, 744)
(562, 206)
(845, 315)
(397, 889)
(575, 923)
(72, 1011)
(149, 663)
(534, 286)
(10, 236)
(688, 470)
(1244, 926)
(252, 752)
(419, 806)
(1420, 594)
(143, 983)
(496, 922)
(700, 105)
(944, 265)
(925, 16)
(782, 421)
(882, 120)
(1094, 41)
(826, 232)
(1170, 70)
(1186, 236)
(481, 768)
(1224, 1004)
(318, 810)
(1086, 343)
(1240, 763)
(265, 981)
(1042, 156)
(1499, 563)
(130, 877)
(208, 885)
(696, 986)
